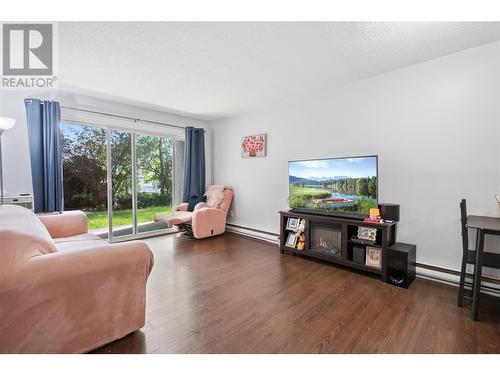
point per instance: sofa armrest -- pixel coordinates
(181, 207)
(208, 222)
(97, 261)
(70, 302)
(65, 224)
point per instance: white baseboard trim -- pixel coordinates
(253, 233)
(452, 279)
(443, 276)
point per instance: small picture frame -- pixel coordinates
(366, 233)
(291, 241)
(292, 223)
(373, 257)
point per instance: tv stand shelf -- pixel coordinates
(344, 231)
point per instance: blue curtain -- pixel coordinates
(194, 163)
(44, 117)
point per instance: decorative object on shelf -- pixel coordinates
(302, 227)
(365, 233)
(301, 241)
(301, 238)
(5, 124)
(291, 241)
(498, 199)
(373, 257)
(253, 145)
(374, 216)
(374, 213)
(292, 223)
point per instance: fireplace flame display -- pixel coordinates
(322, 243)
(326, 240)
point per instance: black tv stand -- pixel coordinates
(345, 231)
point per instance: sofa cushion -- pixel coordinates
(79, 242)
(79, 237)
(215, 195)
(22, 219)
(193, 201)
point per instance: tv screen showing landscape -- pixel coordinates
(342, 185)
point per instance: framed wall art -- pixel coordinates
(253, 146)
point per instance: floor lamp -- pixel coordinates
(5, 124)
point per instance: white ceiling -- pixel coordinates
(216, 70)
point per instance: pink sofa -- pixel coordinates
(204, 221)
(64, 290)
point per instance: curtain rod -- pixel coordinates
(122, 117)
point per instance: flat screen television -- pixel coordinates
(336, 186)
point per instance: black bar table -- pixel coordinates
(484, 225)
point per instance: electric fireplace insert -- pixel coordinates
(326, 240)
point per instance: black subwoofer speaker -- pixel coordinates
(401, 258)
(389, 211)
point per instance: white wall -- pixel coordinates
(16, 163)
(434, 125)
(15, 151)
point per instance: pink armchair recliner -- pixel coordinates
(206, 220)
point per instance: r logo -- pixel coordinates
(27, 49)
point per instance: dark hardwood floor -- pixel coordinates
(232, 294)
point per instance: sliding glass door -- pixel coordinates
(85, 173)
(122, 182)
(154, 157)
(119, 178)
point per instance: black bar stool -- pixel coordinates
(468, 256)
